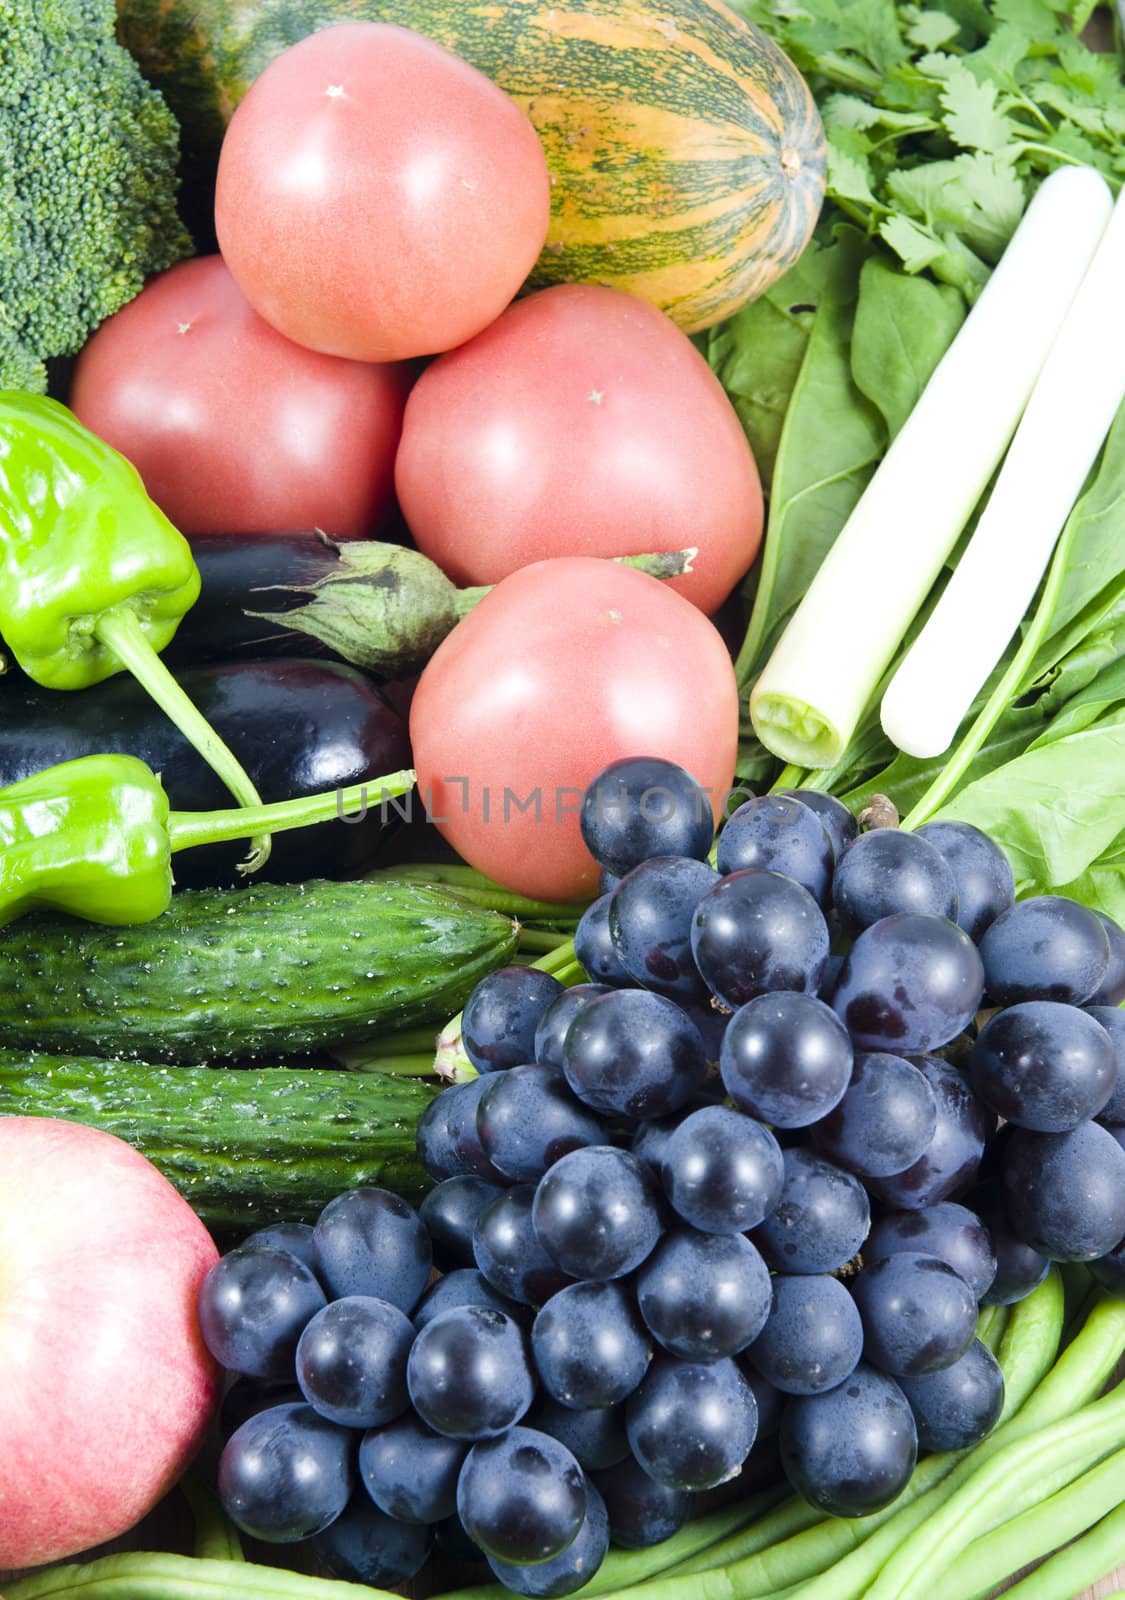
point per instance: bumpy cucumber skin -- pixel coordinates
(247, 974)
(244, 1148)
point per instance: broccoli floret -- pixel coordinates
(88, 154)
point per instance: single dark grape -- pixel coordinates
(787, 1059)
(918, 1314)
(650, 915)
(756, 932)
(574, 1567)
(633, 1054)
(253, 1307)
(840, 824)
(369, 1241)
(949, 1231)
(1044, 1065)
(704, 1295)
(501, 1015)
(522, 1498)
(642, 807)
(364, 1545)
(722, 1171)
(1045, 948)
(595, 1213)
(908, 984)
(1112, 1019)
(591, 1348)
(594, 947)
(469, 1373)
(691, 1424)
(1019, 1268)
(851, 1451)
(449, 1213)
(981, 872)
(433, 1138)
(410, 1471)
(1111, 990)
(952, 1157)
(1065, 1192)
(286, 1474)
(885, 873)
(812, 1338)
(885, 1121)
(465, 1286)
(958, 1406)
(527, 1119)
(296, 1238)
(553, 1024)
(642, 1512)
(509, 1254)
(779, 833)
(821, 1219)
(351, 1361)
(596, 1439)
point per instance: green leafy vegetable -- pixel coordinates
(1057, 809)
(941, 120)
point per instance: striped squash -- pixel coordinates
(686, 153)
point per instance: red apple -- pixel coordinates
(106, 1388)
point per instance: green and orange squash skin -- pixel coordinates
(685, 150)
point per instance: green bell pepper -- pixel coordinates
(93, 577)
(95, 837)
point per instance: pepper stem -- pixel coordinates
(189, 828)
(120, 630)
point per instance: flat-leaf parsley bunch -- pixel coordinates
(941, 120)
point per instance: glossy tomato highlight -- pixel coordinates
(566, 666)
(234, 428)
(583, 422)
(377, 197)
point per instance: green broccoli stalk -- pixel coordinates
(88, 154)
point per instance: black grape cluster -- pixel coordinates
(748, 1182)
(752, 1176)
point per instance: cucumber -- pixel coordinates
(247, 974)
(270, 1144)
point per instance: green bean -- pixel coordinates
(793, 1516)
(1028, 1346)
(991, 1323)
(145, 1576)
(1035, 1533)
(216, 1537)
(1079, 1565)
(623, 1568)
(1011, 1480)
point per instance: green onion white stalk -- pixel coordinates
(1070, 411)
(824, 669)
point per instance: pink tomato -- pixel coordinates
(377, 197)
(234, 428)
(566, 666)
(583, 422)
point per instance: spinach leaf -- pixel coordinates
(1057, 809)
(903, 327)
(757, 353)
(1096, 527)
